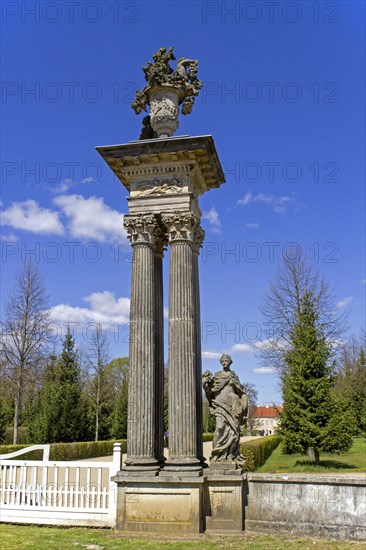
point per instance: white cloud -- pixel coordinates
(263, 344)
(104, 309)
(66, 184)
(91, 218)
(252, 225)
(9, 238)
(241, 348)
(279, 204)
(166, 313)
(62, 187)
(336, 343)
(344, 303)
(29, 216)
(271, 344)
(264, 370)
(211, 354)
(212, 216)
(236, 348)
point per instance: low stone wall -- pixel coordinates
(332, 506)
(325, 505)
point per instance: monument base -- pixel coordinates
(224, 497)
(160, 505)
(181, 504)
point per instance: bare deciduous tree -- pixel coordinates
(296, 276)
(97, 359)
(25, 333)
(252, 394)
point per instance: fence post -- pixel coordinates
(117, 457)
(112, 500)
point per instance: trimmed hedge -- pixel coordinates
(75, 451)
(69, 451)
(250, 432)
(33, 455)
(257, 451)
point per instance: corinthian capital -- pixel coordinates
(199, 236)
(142, 229)
(180, 225)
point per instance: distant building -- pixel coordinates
(265, 417)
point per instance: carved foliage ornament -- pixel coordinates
(199, 236)
(181, 226)
(142, 229)
(160, 187)
(160, 74)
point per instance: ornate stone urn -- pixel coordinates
(164, 111)
(165, 92)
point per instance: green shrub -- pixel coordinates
(23, 437)
(257, 451)
(32, 455)
(207, 437)
(69, 451)
(247, 432)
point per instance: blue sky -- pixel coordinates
(283, 99)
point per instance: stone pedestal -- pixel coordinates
(172, 505)
(224, 498)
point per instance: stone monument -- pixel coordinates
(164, 177)
(229, 404)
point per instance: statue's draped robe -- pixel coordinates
(229, 404)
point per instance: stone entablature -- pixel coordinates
(148, 160)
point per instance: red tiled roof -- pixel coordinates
(266, 411)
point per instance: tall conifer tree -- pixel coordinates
(61, 409)
(313, 419)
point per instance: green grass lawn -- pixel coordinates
(351, 462)
(30, 537)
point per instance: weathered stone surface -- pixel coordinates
(166, 89)
(185, 445)
(168, 506)
(308, 504)
(164, 178)
(197, 243)
(143, 453)
(229, 404)
(224, 503)
(159, 347)
(225, 468)
(184, 202)
(139, 161)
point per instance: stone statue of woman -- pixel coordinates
(229, 404)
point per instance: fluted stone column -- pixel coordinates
(197, 243)
(159, 347)
(184, 452)
(141, 431)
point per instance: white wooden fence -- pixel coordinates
(58, 493)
